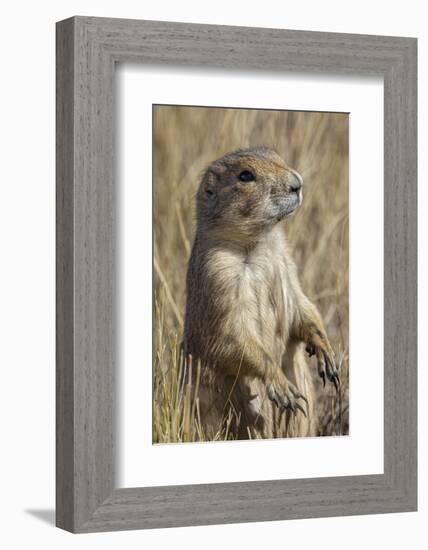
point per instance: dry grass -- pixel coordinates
(186, 140)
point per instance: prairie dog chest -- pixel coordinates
(258, 274)
(251, 285)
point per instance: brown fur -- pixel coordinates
(246, 315)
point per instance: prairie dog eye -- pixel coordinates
(246, 175)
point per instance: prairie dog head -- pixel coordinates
(247, 192)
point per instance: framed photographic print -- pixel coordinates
(236, 274)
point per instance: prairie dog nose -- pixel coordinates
(296, 180)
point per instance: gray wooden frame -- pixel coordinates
(87, 50)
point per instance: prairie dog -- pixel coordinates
(246, 314)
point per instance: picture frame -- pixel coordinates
(87, 51)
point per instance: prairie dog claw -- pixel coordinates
(327, 368)
(286, 397)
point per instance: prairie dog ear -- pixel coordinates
(209, 184)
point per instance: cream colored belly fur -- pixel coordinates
(263, 308)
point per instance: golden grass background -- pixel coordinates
(185, 141)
